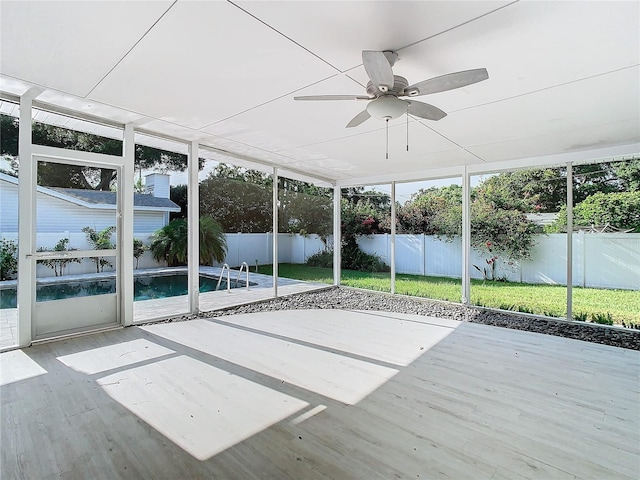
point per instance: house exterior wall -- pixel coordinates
(8, 207)
(56, 215)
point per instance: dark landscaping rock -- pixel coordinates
(353, 299)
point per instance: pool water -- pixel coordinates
(145, 287)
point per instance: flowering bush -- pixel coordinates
(8, 259)
(490, 273)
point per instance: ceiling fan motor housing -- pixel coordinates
(399, 84)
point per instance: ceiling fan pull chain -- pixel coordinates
(387, 149)
(407, 127)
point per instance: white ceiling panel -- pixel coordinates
(526, 47)
(564, 77)
(564, 109)
(347, 155)
(71, 45)
(339, 31)
(295, 123)
(589, 138)
(206, 61)
(273, 159)
(87, 107)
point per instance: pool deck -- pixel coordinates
(261, 288)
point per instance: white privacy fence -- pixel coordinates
(606, 260)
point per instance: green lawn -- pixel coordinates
(622, 305)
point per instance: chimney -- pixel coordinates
(157, 184)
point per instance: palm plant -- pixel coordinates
(170, 242)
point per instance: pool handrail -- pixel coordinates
(225, 266)
(245, 266)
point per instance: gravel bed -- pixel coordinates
(353, 299)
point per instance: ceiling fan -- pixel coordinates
(385, 89)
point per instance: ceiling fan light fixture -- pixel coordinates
(388, 107)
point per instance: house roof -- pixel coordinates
(96, 197)
(563, 79)
(100, 199)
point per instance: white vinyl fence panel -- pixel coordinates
(604, 260)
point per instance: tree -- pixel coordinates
(497, 228)
(170, 243)
(8, 135)
(619, 210)
(508, 232)
(432, 211)
(100, 241)
(628, 174)
(531, 190)
(304, 208)
(71, 176)
(360, 215)
(178, 194)
(138, 250)
(239, 206)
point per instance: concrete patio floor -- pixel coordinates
(261, 288)
(320, 394)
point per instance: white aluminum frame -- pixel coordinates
(193, 225)
(43, 327)
(274, 262)
(27, 195)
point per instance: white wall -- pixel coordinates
(56, 215)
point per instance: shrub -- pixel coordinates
(602, 318)
(100, 241)
(170, 243)
(580, 316)
(8, 259)
(58, 264)
(323, 258)
(356, 259)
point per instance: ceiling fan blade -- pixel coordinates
(447, 82)
(378, 69)
(359, 119)
(424, 110)
(332, 97)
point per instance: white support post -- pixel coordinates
(193, 222)
(125, 235)
(26, 292)
(423, 258)
(337, 235)
(569, 241)
(275, 231)
(466, 236)
(393, 237)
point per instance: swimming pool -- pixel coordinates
(145, 287)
